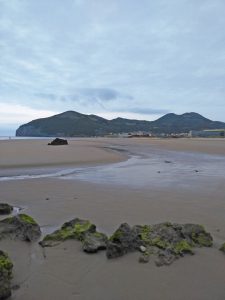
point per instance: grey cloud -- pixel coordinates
(87, 94)
(103, 94)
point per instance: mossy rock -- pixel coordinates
(116, 236)
(6, 267)
(5, 209)
(222, 248)
(171, 240)
(197, 234)
(145, 234)
(77, 229)
(183, 247)
(21, 227)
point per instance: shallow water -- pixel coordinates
(146, 167)
(157, 168)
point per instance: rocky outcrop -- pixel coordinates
(58, 142)
(5, 209)
(21, 227)
(77, 229)
(166, 240)
(6, 267)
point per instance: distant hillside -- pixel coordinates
(71, 123)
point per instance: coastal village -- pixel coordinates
(207, 133)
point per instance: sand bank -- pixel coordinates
(36, 153)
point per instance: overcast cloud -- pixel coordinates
(112, 58)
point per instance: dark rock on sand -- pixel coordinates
(94, 241)
(58, 142)
(167, 161)
(5, 209)
(125, 239)
(6, 267)
(21, 227)
(169, 241)
(222, 248)
(77, 229)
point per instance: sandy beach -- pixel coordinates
(64, 271)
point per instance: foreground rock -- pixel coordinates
(58, 142)
(166, 240)
(5, 209)
(21, 227)
(77, 229)
(5, 275)
(222, 248)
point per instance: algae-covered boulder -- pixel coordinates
(5, 209)
(222, 248)
(77, 229)
(197, 234)
(21, 227)
(5, 275)
(169, 241)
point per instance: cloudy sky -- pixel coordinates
(135, 59)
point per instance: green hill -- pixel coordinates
(71, 123)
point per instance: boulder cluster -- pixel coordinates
(165, 242)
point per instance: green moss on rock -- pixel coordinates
(183, 247)
(202, 239)
(6, 267)
(27, 219)
(75, 229)
(145, 234)
(99, 235)
(5, 262)
(116, 236)
(21, 227)
(71, 232)
(160, 243)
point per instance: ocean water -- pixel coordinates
(22, 138)
(34, 138)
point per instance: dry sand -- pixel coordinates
(37, 153)
(67, 273)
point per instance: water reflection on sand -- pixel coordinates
(146, 167)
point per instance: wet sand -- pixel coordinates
(65, 272)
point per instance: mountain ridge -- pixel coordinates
(72, 123)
